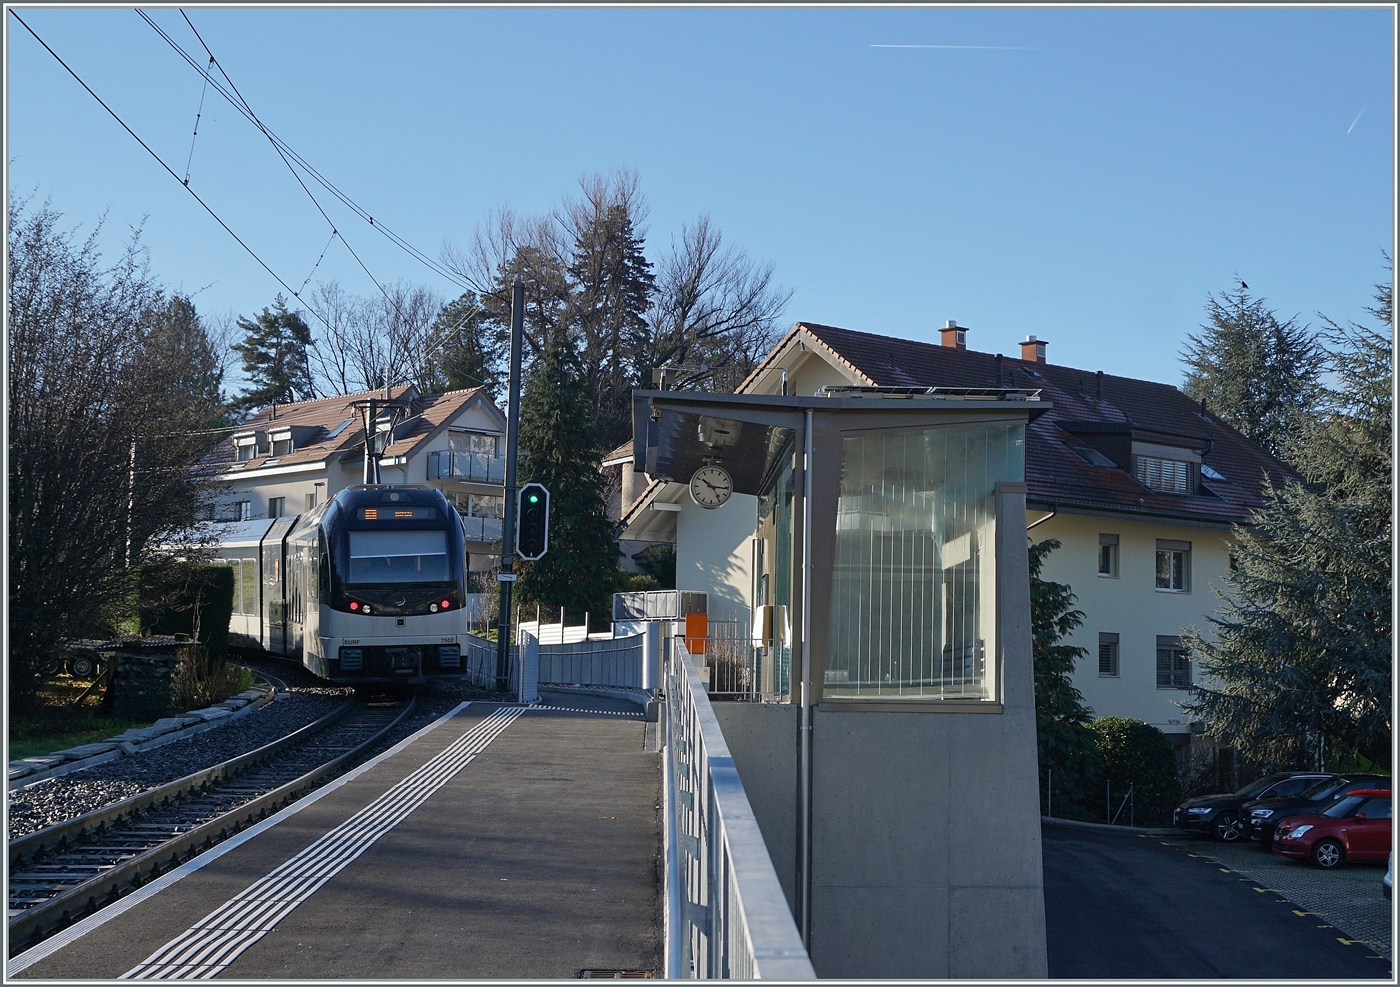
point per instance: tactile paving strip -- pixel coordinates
(210, 945)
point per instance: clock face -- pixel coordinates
(710, 487)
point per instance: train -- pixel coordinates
(368, 587)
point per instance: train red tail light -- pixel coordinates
(354, 605)
(446, 604)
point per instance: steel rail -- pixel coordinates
(41, 920)
(56, 836)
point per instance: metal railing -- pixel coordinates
(662, 604)
(726, 916)
(742, 669)
(471, 466)
(482, 529)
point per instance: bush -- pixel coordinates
(1138, 754)
(658, 562)
(201, 680)
(183, 599)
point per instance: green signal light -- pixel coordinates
(534, 498)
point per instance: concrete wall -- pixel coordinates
(926, 858)
(714, 554)
(762, 739)
(1132, 607)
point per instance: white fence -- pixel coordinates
(613, 662)
(726, 916)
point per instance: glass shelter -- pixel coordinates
(886, 500)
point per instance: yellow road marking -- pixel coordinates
(1226, 870)
(1302, 914)
(1351, 942)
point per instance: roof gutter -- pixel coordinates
(1054, 509)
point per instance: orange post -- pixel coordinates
(697, 631)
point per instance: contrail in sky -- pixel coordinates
(977, 47)
(1357, 120)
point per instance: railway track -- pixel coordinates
(65, 872)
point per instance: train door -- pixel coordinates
(274, 583)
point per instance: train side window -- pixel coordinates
(249, 585)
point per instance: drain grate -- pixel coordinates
(615, 975)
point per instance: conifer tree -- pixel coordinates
(613, 284)
(1300, 661)
(561, 450)
(1065, 743)
(275, 358)
(1257, 374)
(471, 348)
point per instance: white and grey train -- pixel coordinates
(367, 587)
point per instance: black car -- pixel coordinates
(1260, 816)
(1220, 815)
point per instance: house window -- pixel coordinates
(311, 500)
(1173, 566)
(243, 510)
(1108, 556)
(281, 446)
(485, 505)
(247, 451)
(1168, 475)
(1173, 663)
(276, 506)
(1108, 655)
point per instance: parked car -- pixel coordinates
(1220, 815)
(1389, 878)
(1261, 816)
(1355, 827)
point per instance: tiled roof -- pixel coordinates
(1055, 474)
(328, 414)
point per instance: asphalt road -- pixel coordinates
(1123, 906)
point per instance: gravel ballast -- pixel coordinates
(57, 799)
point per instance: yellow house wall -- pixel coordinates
(1131, 606)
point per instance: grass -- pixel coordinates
(56, 723)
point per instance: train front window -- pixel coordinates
(398, 557)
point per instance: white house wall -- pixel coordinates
(714, 554)
(1133, 608)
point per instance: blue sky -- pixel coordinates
(1087, 175)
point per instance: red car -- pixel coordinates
(1355, 827)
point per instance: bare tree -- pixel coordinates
(113, 389)
(365, 342)
(715, 308)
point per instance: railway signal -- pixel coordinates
(532, 522)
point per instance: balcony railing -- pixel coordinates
(482, 529)
(470, 466)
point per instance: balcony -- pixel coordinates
(482, 529)
(470, 466)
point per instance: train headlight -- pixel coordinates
(433, 607)
(365, 608)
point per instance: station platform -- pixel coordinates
(499, 842)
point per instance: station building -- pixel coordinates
(288, 458)
(1140, 485)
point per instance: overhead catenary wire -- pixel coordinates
(198, 113)
(259, 124)
(235, 101)
(251, 252)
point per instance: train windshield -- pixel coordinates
(398, 557)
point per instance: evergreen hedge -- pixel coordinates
(1138, 754)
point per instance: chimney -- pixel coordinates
(1033, 349)
(954, 336)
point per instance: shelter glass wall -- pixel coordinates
(913, 603)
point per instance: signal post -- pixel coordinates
(506, 576)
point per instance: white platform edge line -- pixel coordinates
(76, 931)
